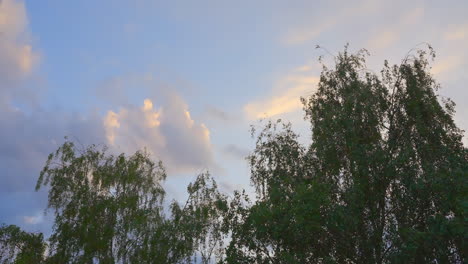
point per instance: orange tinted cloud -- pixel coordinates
(17, 56)
(169, 133)
(286, 99)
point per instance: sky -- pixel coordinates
(187, 79)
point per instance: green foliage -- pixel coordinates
(20, 247)
(110, 209)
(384, 180)
(106, 208)
(202, 217)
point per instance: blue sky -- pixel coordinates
(185, 79)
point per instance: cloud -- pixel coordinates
(325, 20)
(118, 90)
(389, 35)
(457, 32)
(167, 132)
(302, 35)
(286, 99)
(383, 39)
(27, 139)
(451, 61)
(447, 64)
(24, 139)
(16, 53)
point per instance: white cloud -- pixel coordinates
(169, 133)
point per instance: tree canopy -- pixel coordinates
(20, 247)
(110, 209)
(384, 180)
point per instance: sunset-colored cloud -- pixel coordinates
(286, 99)
(389, 35)
(446, 64)
(383, 39)
(111, 121)
(302, 35)
(17, 56)
(329, 19)
(169, 133)
(457, 32)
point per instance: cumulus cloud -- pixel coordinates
(286, 98)
(27, 137)
(168, 132)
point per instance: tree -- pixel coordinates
(384, 180)
(203, 218)
(286, 222)
(20, 247)
(110, 209)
